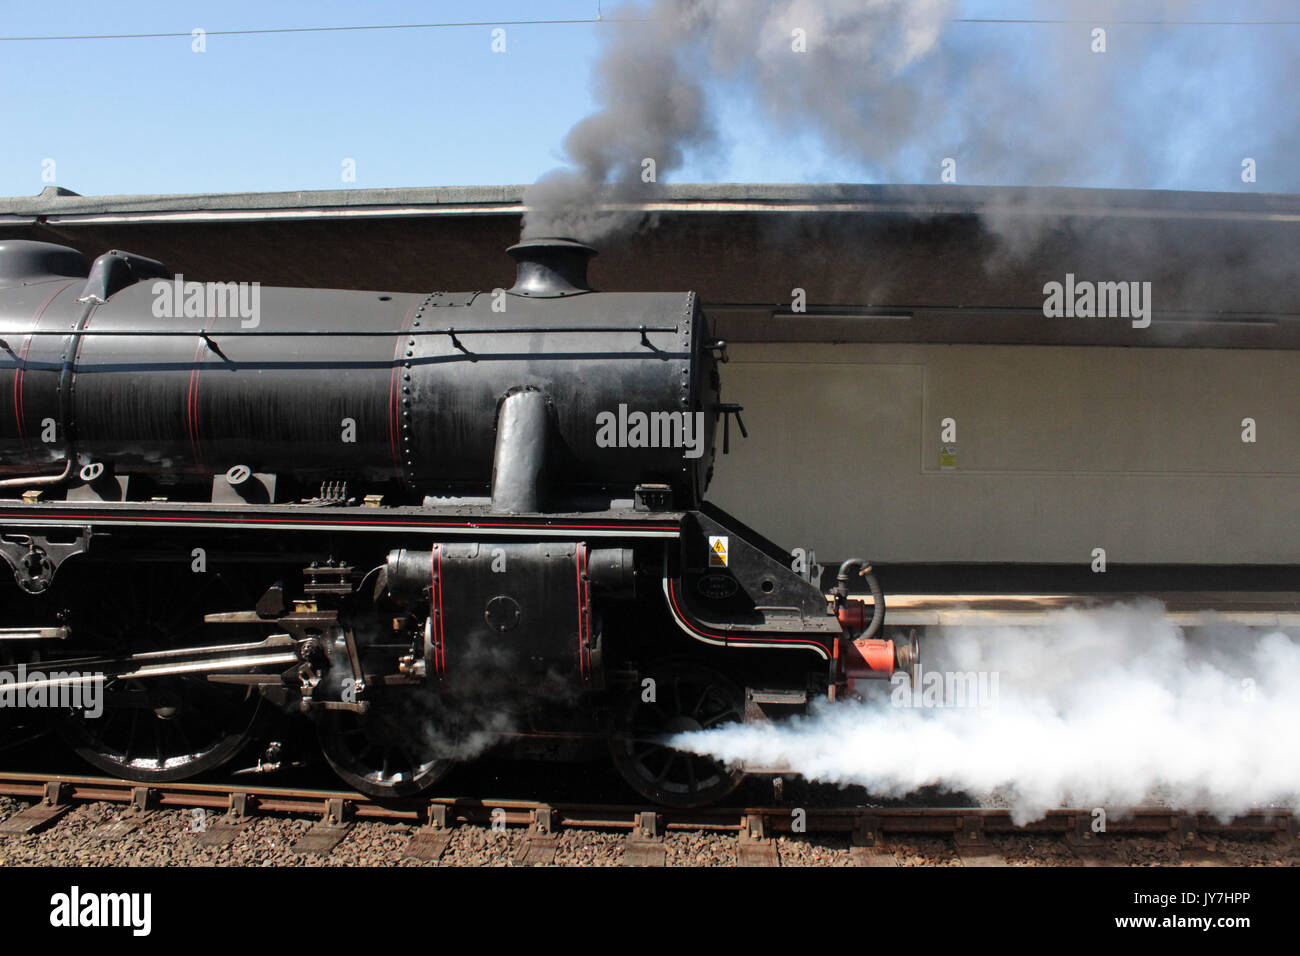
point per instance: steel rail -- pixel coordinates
(1281, 823)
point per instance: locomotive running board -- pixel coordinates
(474, 521)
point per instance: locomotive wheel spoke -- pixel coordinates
(699, 704)
(723, 717)
(695, 698)
(383, 752)
(130, 740)
(668, 765)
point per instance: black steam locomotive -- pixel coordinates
(430, 523)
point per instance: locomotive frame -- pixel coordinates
(473, 565)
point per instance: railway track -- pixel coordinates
(873, 835)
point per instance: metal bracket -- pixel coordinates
(866, 832)
(1080, 833)
(106, 486)
(970, 832)
(867, 846)
(756, 847)
(140, 799)
(334, 811)
(245, 487)
(328, 579)
(652, 497)
(973, 845)
(644, 846)
(541, 840)
(647, 826)
(1084, 843)
(1184, 832)
(35, 559)
(727, 409)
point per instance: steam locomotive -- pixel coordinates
(427, 523)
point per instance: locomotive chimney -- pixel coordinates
(550, 267)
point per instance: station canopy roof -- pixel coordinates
(934, 263)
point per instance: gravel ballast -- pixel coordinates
(164, 840)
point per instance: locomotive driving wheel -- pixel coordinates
(686, 697)
(392, 750)
(163, 728)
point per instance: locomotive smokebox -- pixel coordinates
(550, 267)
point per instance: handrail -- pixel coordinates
(345, 333)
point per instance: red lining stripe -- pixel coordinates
(584, 624)
(192, 400)
(440, 655)
(586, 606)
(77, 516)
(20, 414)
(681, 616)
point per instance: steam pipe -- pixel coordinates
(39, 480)
(877, 594)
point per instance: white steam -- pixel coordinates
(1113, 708)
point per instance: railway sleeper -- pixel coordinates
(135, 816)
(541, 840)
(430, 841)
(324, 836)
(54, 804)
(233, 823)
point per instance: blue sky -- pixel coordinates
(423, 107)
